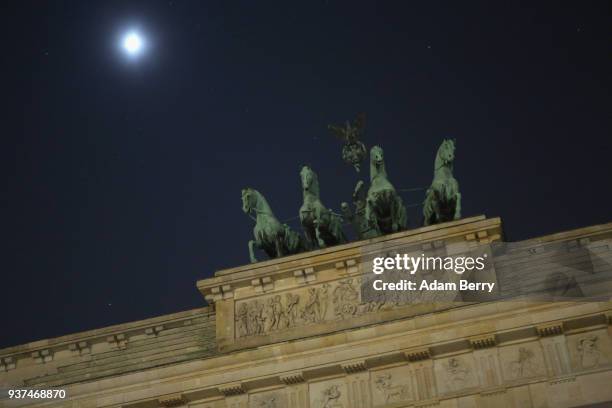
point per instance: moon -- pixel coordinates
(133, 43)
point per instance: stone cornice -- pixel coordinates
(354, 366)
(224, 363)
(551, 329)
(483, 342)
(343, 257)
(292, 378)
(80, 344)
(229, 390)
(418, 354)
(172, 400)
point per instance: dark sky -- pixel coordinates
(123, 179)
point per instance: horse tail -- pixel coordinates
(293, 241)
(428, 210)
(337, 228)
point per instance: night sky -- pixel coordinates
(123, 177)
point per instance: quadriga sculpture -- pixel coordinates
(274, 238)
(442, 199)
(385, 211)
(357, 217)
(321, 226)
(353, 151)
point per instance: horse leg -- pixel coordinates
(320, 240)
(427, 209)
(279, 247)
(393, 214)
(458, 206)
(398, 214)
(320, 223)
(370, 216)
(337, 229)
(402, 218)
(310, 239)
(252, 244)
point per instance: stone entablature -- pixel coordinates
(345, 257)
(40, 361)
(516, 353)
(400, 363)
(320, 292)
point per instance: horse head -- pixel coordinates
(377, 162)
(446, 152)
(377, 156)
(249, 199)
(310, 181)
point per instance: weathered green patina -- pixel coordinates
(274, 238)
(385, 211)
(357, 217)
(377, 209)
(353, 151)
(442, 199)
(321, 226)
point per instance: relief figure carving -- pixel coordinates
(324, 300)
(309, 305)
(292, 308)
(242, 317)
(589, 352)
(268, 403)
(268, 400)
(312, 310)
(391, 392)
(276, 313)
(524, 365)
(345, 299)
(256, 318)
(457, 372)
(330, 398)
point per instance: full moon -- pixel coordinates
(132, 43)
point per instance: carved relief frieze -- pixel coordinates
(590, 350)
(309, 305)
(455, 373)
(391, 386)
(271, 399)
(522, 361)
(329, 394)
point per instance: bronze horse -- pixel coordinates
(443, 199)
(322, 228)
(274, 238)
